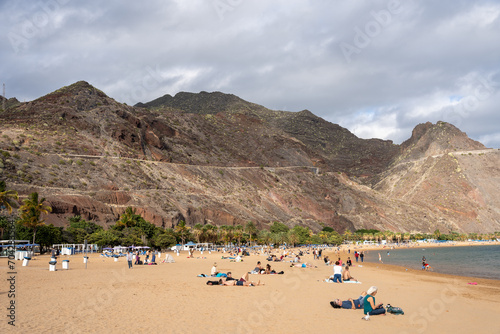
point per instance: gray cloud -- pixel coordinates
(377, 68)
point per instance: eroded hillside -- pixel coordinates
(214, 158)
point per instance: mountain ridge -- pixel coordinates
(228, 161)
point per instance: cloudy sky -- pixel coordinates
(378, 68)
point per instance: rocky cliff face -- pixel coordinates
(214, 158)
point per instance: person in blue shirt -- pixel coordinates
(351, 304)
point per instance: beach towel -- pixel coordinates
(331, 281)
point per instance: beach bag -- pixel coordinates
(394, 310)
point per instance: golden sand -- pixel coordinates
(107, 297)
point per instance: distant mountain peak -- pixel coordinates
(199, 103)
(81, 95)
(430, 139)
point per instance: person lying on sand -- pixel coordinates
(243, 281)
(303, 265)
(240, 283)
(351, 304)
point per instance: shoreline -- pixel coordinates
(423, 246)
(398, 268)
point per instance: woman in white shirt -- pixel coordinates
(337, 273)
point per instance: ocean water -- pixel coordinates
(473, 261)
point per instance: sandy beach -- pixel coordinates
(170, 298)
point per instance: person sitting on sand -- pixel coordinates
(327, 260)
(230, 277)
(257, 268)
(370, 308)
(346, 275)
(337, 272)
(213, 271)
(351, 304)
(349, 262)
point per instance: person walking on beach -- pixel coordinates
(130, 257)
(362, 255)
(380, 258)
(356, 255)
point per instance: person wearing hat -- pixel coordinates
(214, 271)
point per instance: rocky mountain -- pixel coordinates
(215, 158)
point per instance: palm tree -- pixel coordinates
(7, 197)
(211, 232)
(406, 236)
(31, 212)
(198, 231)
(264, 237)
(229, 237)
(251, 230)
(378, 237)
(128, 218)
(398, 237)
(323, 236)
(389, 236)
(347, 235)
(182, 230)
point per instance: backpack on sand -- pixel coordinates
(394, 310)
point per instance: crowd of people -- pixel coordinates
(341, 274)
(150, 258)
